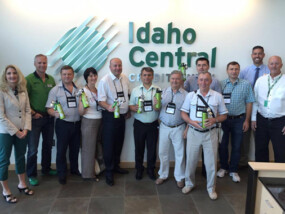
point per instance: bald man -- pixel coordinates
(268, 114)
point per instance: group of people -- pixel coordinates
(191, 109)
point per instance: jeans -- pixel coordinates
(45, 126)
(231, 127)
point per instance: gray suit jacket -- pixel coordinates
(15, 114)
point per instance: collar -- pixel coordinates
(275, 77)
(210, 92)
(37, 76)
(60, 84)
(113, 77)
(229, 81)
(254, 66)
(150, 88)
(169, 89)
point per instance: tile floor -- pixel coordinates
(127, 196)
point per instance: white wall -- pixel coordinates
(30, 27)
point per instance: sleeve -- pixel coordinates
(4, 121)
(102, 94)
(28, 121)
(222, 109)
(250, 96)
(132, 99)
(51, 97)
(186, 104)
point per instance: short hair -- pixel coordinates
(21, 84)
(206, 72)
(88, 71)
(202, 59)
(176, 72)
(257, 47)
(66, 67)
(147, 69)
(232, 63)
(39, 55)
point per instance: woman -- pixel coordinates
(15, 121)
(90, 124)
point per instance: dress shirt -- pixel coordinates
(15, 113)
(214, 99)
(276, 99)
(241, 94)
(249, 73)
(108, 87)
(92, 112)
(58, 93)
(191, 84)
(144, 117)
(178, 98)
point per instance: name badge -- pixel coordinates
(147, 105)
(49, 85)
(227, 98)
(170, 108)
(200, 110)
(120, 94)
(71, 102)
(265, 103)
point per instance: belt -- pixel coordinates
(236, 117)
(73, 122)
(203, 130)
(172, 126)
(271, 118)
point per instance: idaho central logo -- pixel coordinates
(84, 46)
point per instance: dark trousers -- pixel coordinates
(113, 135)
(145, 134)
(44, 125)
(68, 136)
(233, 128)
(269, 129)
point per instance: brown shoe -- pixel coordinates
(180, 184)
(159, 181)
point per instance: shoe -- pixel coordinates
(186, 189)
(160, 181)
(91, 179)
(10, 199)
(76, 173)
(139, 175)
(119, 170)
(50, 172)
(180, 184)
(62, 180)
(235, 177)
(110, 181)
(151, 175)
(33, 181)
(26, 190)
(221, 173)
(213, 195)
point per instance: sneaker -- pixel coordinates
(159, 181)
(186, 189)
(235, 177)
(33, 181)
(213, 195)
(221, 173)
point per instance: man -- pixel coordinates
(205, 103)
(145, 123)
(39, 85)
(252, 73)
(113, 86)
(238, 97)
(191, 84)
(171, 130)
(268, 114)
(67, 129)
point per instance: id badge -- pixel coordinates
(200, 110)
(71, 102)
(227, 98)
(120, 94)
(147, 106)
(265, 103)
(170, 108)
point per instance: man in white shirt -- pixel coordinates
(113, 86)
(268, 114)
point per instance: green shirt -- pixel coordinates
(38, 91)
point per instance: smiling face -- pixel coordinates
(92, 79)
(146, 77)
(204, 81)
(67, 76)
(116, 67)
(40, 64)
(233, 71)
(257, 56)
(175, 81)
(202, 66)
(12, 76)
(275, 65)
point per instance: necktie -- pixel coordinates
(256, 75)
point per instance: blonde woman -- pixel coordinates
(15, 121)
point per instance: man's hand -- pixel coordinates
(196, 124)
(245, 126)
(110, 108)
(37, 116)
(210, 121)
(128, 115)
(253, 125)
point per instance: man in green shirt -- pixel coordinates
(38, 85)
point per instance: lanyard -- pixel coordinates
(92, 94)
(271, 86)
(232, 88)
(117, 90)
(202, 101)
(67, 90)
(151, 93)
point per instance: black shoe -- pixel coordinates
(120, 170)
(151, 175)
(139, 174)
(62, 180)
(110, 181)
(76, 173)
